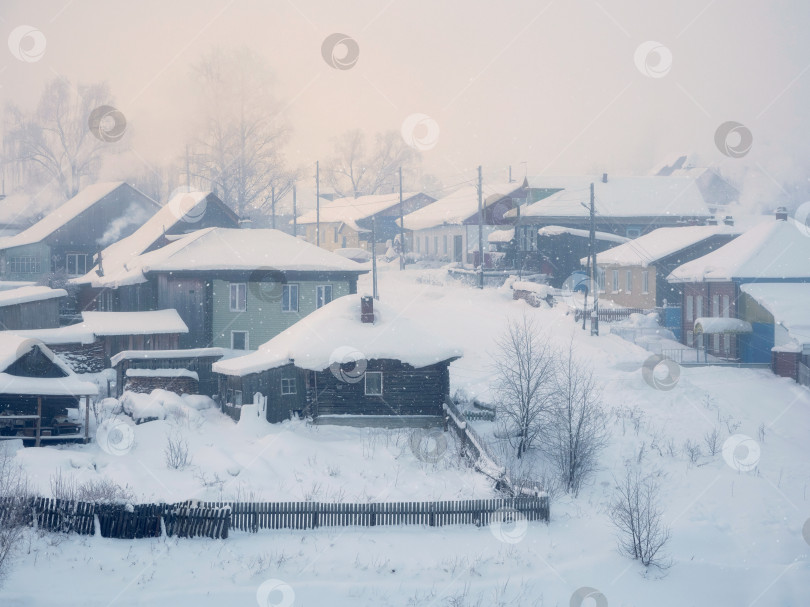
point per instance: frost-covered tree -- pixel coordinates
(14, 514)
(576, 433)
(525, 374)
(54, 142)
(238, 146)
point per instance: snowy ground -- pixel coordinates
(736, 520)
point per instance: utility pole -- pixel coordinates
(401, 226)
(587, 288)
(480, 229)
(317, 203)
(594, 270)
(295, 215)
(273, 204)
(374, 257)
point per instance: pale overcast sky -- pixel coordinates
(552, 84)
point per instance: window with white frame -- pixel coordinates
(600, 279)
(645, 282)
(628, 281)
(24, 265)
(615, 278)
(335, 234)
(76, 264)
(238, 296)
(427, 248)
(289, 298)
(725, 306)
(698, 306)
(288, 385)
(374, 383)
(444, 243)
(689, 308)
(239, 340)
(323, 295)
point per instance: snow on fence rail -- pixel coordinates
(611, 314)
(214, 519)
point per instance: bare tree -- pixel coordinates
(576, 433)
(525, 367)
(355, 169)
(638, 518)
(54, 141)
(238, 150)
(14, 503)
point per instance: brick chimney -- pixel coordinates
(367, 309)
(781, 214)
(604, 177)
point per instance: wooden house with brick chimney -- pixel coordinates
(355, 360)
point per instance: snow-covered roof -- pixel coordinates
(770, 250)
(162, 373)
(163, 354)
(457, 207)
(14, 347)
(12, 297)
(62, 214)
(721, 325)
(501, 235)
(212, 249)
(557, 230)
(6, 285)
(660, 243)
(70, 334)
(334, 334)
(624, 197)
(150, 322)
(789, 303)
(351, 210)
(186, 207)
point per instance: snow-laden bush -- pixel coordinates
(14, 514)
(163, 404)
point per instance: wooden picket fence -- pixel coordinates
(251, 517)
(214, 519)
(124, 521)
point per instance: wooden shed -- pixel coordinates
(36, 392)
(31, 307)
(347, 360)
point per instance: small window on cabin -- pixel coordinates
(237, 398)
(238, 297)
(323, 295)
(343, 242)
(335, 234)
(615, 278)
(287, 385)
(645, 282)
(76, 264)
(289, 298)
(629, 281)
(239, 340)
(374, 383)
(444, 243)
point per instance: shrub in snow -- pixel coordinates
(176, 451)
(102, 489)
(142, 406)
(638, 518)
(14, 515)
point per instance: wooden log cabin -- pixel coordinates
(36, 392)
(347, 362)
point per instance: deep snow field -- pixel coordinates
(736, 517)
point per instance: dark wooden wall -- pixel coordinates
(268, 383)
(43, 314)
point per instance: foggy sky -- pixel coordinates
(551, 84)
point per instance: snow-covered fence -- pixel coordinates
(611, 314)
(251, 517)
(127, 521)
